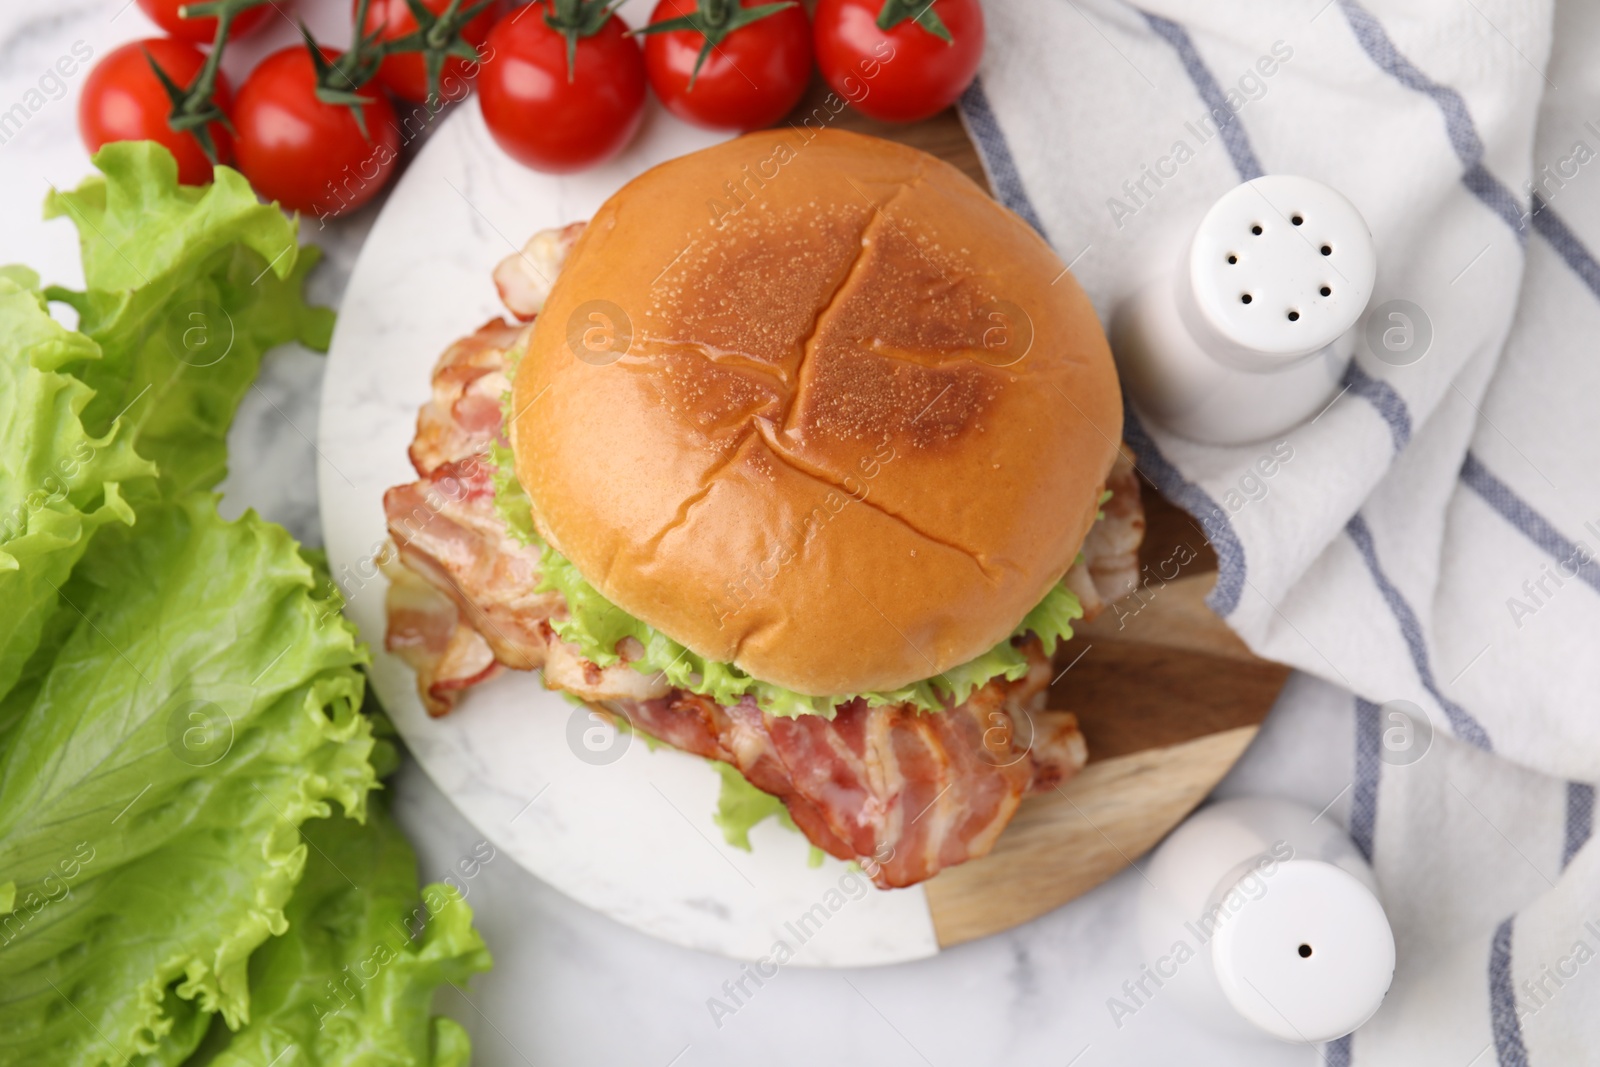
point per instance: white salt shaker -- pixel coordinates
(1251, 332)
(1262, 918)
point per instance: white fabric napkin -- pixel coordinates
(1433, 538)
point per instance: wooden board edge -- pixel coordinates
(1062, 844)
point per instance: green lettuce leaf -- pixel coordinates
(185, 288)
(740, 806)
(58, 482)
(201, 705)
(178, 698)
(510, 499)
(350, 983)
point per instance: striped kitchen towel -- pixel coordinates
(1427, 557)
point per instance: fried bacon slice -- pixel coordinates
(523, 278)
(903, 792)
(1109, 567)
(462, 416)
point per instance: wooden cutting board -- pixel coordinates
(1168, 697)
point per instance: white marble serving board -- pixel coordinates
(633, 838)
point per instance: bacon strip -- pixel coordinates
(1111, 551)
(449, 536)
(523, 278)
(902, 792)
(1109, 567)
(462, 416)
(426, 631)
(447, 530)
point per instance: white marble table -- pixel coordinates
(569, 986)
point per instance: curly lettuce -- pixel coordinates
(58, 482)
(597, 626)
(741, 807)
(202, 706)
(350, 983)
(180, 699)
(186, 287)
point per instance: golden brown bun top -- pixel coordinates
(858, 424)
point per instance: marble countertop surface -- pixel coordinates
(569, 986)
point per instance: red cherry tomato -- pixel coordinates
(901, 74)
(752, 78)
(307, 155)
(539, 117)
(164, 13)
(123, 101)
(405, 75)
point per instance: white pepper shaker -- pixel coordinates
(1251, 332)
(1260, 917)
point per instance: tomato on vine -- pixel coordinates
(899, 60)
(562, 85)
(728, 64)
(186, 25)
(307, 135)
(429, 44)
(125, 100)
(169, 92)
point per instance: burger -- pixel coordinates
(802, 455)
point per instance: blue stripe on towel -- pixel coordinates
(1231, 567)
(1461, 721)
(1580, 820)
(1336, 1053)
(1381, 395)
(1368, 767)
(985, 129)
(1508, 1046)
(1458, 123)
(1228, 124)
(1534, 526)
(1469, 148)
(1566, 243)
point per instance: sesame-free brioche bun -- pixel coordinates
(839, 418)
